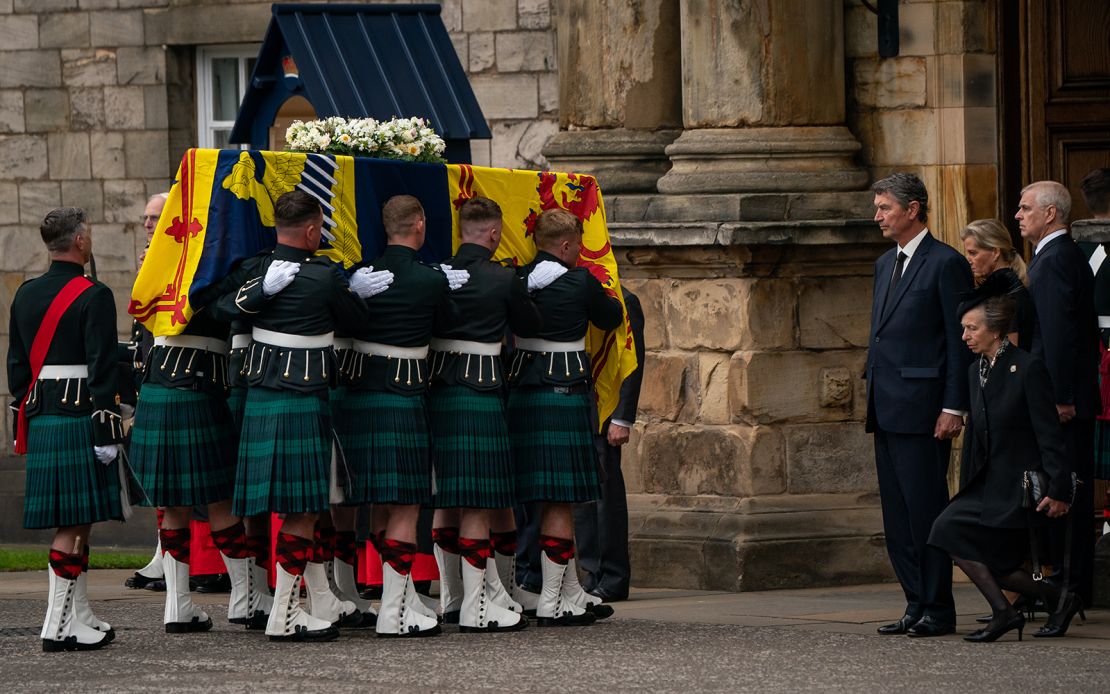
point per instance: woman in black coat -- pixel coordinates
(1012, 427)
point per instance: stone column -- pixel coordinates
(762, 99)
(619, 90)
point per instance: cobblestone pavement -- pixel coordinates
(814, 640)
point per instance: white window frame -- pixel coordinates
(205, 54)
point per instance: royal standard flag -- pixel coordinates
(221, 211)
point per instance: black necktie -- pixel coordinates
(897, 276)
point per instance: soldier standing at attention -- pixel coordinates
(286, 441)
(550, 418)
(62, 374)
(470, 440)
(383, 420)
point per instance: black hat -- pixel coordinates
(1002, 282)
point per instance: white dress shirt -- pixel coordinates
(1045, 240)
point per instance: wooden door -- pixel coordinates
(1055, 87)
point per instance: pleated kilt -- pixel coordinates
(1102, 450)
(284, 453)
(182, 447)
(385, 439)
(236, 403)
(471, 454)
(66, 485)
(553, 447)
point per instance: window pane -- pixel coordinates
(225, 88)
(220, 138)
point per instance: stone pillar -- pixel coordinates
(762, 99)
(619, 90)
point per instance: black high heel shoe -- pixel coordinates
(1058, 622)
(987, 634)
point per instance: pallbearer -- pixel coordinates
(62, 375)
(471, 453)
(550, 415)
(286, 441)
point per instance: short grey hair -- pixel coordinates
(158, 196)
(60, 227)
(998, 313)
(1047, 193)
(905, 188)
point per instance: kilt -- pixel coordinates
(236, 402)
(553, 446)
(182, 447)
(385, 440)
(284, 453)
(66, 485)
(471, 456)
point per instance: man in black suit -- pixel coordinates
(1062, 287)
(916, 396)
(601, 526)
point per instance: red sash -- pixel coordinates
(41, 345)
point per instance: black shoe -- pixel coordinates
(302, 634)
(1016, 620)
(600, 611)
(214, 583)
(607, 596)
(451, 617)
(900, 627)
(158, 585)
(1058, 622)
(930, 626)
(140, 581)
(495, 627)
(357, 620)
(188, 627)
(258, 621)
(71, 644)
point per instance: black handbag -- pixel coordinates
(1034, 486)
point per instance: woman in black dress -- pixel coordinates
(1013, 427)
(991, 253)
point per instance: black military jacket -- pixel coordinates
(188, 368)
(86, 334)
(568, 306)
(493, 300)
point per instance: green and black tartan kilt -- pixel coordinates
(66, 484)
(236, 403)
(182, 447)
(385, 440)
(553, 447)
(471, 454)
(284, 453)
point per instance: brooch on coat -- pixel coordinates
(1013, 368)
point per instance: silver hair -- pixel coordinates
(60, 227)
(905, 188)
(1047, 193)
(998, 313)
(156, 196)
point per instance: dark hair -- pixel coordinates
(399, 213)
(479, 209)
(555, 226)
(60, 226)
(1096, 190)
(998, 313)
(294, 208)
(905, 188)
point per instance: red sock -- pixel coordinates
(67, 566)
(447, 539)
(475, 551)
(259, 548)
(503, 543)
(232, 541)
(293, 553)
(346, 547)
(176, 542)
(398, 555)
(558, 549)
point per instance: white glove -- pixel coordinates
(545, 273)
(366, 283)
(279, 275)
(126, 411)
(455, 278)
(106, 454)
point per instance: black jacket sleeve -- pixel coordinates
(525, 319)
(1046, 427)
(100, 351)
(955, 279)
(605, 311)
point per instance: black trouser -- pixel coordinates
(601, 528)
(1079, 436)
(913, 489)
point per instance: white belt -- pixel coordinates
(533, 344)
(64, 371)
(342, 343)
(208, 344)
(380, 350)
(240, 341)
(272, 337)
(1104, 321)
(485, 349)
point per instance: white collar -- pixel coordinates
(910, 248)
(1045, 240)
